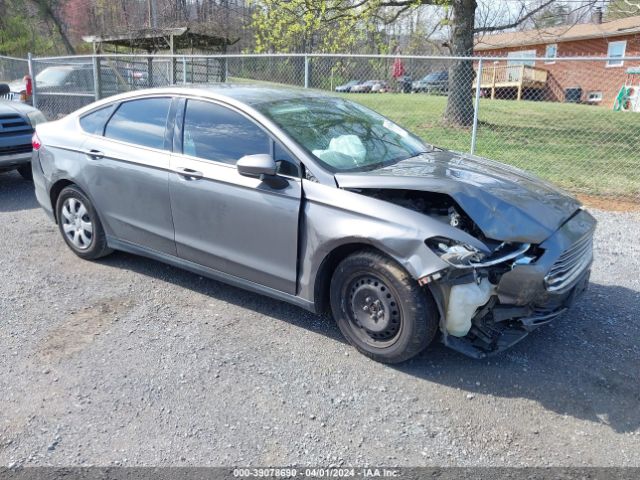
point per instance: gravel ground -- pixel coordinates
(127, 361)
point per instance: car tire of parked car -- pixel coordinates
(80, 225)
(25, 172)
(381, 309)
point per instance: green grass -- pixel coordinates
(585, 149)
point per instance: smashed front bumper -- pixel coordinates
(533, 292)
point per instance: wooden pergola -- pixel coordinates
(194, 39)
(175, 40)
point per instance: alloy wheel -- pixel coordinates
(76, 223)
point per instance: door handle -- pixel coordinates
(188, 173)
(94, 154)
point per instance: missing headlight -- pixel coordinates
(461, 255)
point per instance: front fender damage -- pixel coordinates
(498, 296)
(333, 218)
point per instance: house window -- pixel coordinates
(522, 58)
(594, 97)
(551, 52)
(615, 53)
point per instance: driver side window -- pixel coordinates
(214, 132)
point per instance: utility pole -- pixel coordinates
(151, 13)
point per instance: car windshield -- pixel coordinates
(52, 76)
(342, 135)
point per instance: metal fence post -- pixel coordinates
(32, 71)
(306, 71)
(184, 70)
(96, 77)
(476, 107)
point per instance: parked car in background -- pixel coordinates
(135, 77)
(436, 82)
(18, 90)
(17, 122)
(78, 78)
(347, 86)
(380, 87)
(367, 87)
(318, 201)
(138, 76)
(72, 85)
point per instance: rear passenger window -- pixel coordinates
(213, 132)
(141, 122)
(94, 122)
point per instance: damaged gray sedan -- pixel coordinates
(323, 203)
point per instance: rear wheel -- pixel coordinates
(380, 309)
(79, 224)
(25, 171)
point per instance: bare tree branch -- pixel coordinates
(522, 17)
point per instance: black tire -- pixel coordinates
(409, 319)
(95, 244)
(25, 171)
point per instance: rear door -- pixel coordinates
(237, 225)
(127, 172)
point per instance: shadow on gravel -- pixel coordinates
(280, 310)
(584, 365)
(16, 193)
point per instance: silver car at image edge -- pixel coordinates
(320, 202)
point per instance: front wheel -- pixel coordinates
(380, 309)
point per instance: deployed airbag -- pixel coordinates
(344, 151)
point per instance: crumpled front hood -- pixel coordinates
(506, 203)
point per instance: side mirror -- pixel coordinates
(256, 165)
(4, 89)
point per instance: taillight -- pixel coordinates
(35, 142)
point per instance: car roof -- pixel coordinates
(248, 94)
(256, 94)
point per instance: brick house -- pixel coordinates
(595, 82)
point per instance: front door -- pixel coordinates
(234, 224)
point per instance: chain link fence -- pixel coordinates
(573, 121)
(12, 70)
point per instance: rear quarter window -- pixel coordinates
(94, 122)
(141, 122)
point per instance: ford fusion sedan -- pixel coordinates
(323, 203)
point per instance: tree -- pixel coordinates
(49, 10)
(463, 28)
(303, 26)
(622, 8)
(21, 31)
(552, 16)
